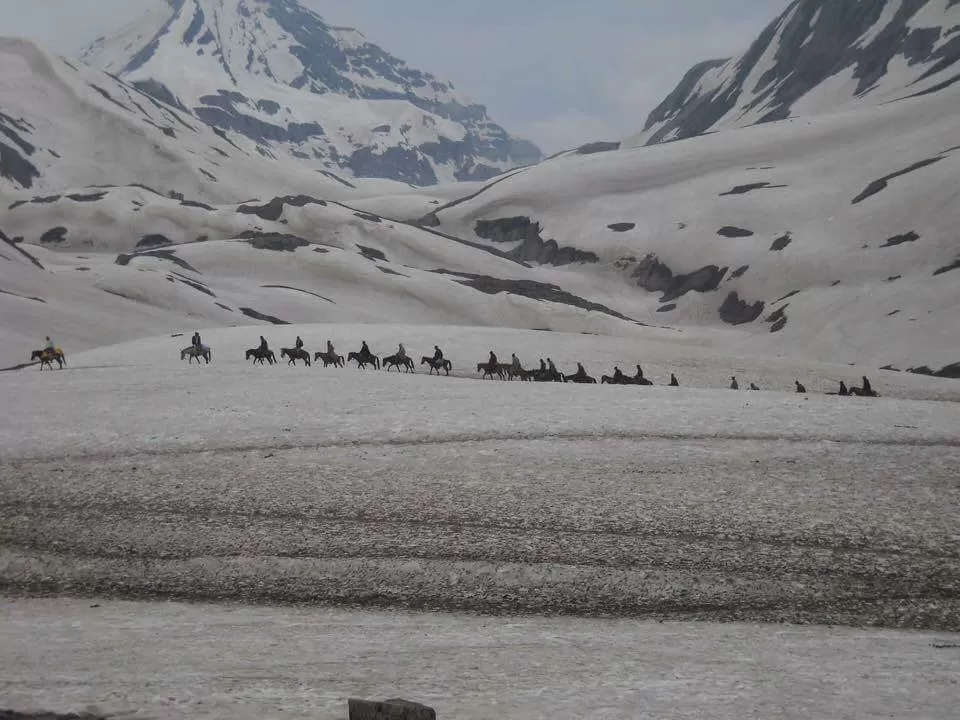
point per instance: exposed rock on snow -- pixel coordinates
(261, 72)
(531, 247)
(818, 56)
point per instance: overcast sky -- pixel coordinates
(560, 72)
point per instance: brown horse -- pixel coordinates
(259, 356)
(489, 370)
(363, 359)
(329, 359)
(395, 361)
(295, 354)
(46, 357)
(437, 365)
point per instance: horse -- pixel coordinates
(294, 354)
(259, 356)
(395, 361)
(639, 379)
(580, 377)
(437, 365)
(196, 352)
(46, 357)
(490, 369)
(865, 391)
(329, 359)
(364, 359)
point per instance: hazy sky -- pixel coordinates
(560, 72)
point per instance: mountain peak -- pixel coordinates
(277, 74)
(818, 56)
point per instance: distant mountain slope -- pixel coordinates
(818, 56)
(833, 235)
(66, 126)
(303, 90)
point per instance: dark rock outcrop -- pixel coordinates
(54, 235)
(744, 189)
(273, 210)
(529, 289)
(955, 265)
(622, 226)
(251, 313)
(654, 276)
(372, 253)
(531, 246)
(279, 242)
(154, 240)
(739, 272)
(781, 242)
(736, 311)
(88, 197)
(734, 232)
(394, 709)
(901, 239)
(881, 184)
(778, 319)
(951, 371)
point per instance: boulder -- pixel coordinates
(395, 709)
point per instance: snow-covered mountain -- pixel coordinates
(832, 235)
(275, 73)
(818, 56)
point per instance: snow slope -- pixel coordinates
(818, 56)
(194, 661)
(134, 253)
(831, 236)
(65, 126)
(313, 94)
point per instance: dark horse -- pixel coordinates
(395, 361)
(46, 358)
(491, 369)
(363, 359)
(437, 365)
(865, 391)
(580, 376)
(329, 359)
(295, 354)
(259, 356)
(196, 352)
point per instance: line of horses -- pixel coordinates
(503, 371)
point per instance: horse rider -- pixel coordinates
(866, 385)
(734, 385)
(264, 348)
(581, 373)
(552, 369)
(49, 347)
(195, 341)
(401, 352)
(330, 350)
(617, 374)
(437, 354)
(299, 343)
(673, 381)
(364, 349)
(543, 367)
(844, 390)
(515, 365)
(492, 361)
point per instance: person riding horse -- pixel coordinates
(492, 361)
(298, 343)
(581, 373)
(330, 351)
(49, 347)
(264, 348)
(195, 341)
(365, 349)
(515, 365)
(618, 375)
(552, 369)
(437, 354)
(401, 352)
(866, 385)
